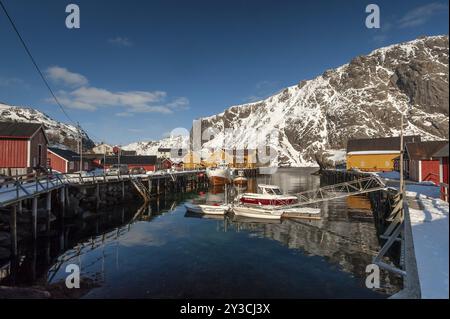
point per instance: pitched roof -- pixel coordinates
(379, 144)
(18, 129)
(443, 152)
(132, 159)
(68, 155)
(424, 150)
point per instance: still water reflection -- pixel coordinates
(160, 251)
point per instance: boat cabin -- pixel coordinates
(269, 189)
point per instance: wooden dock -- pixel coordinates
(48, 190)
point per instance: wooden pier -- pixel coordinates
(50, 190)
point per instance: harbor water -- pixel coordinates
(161, 251)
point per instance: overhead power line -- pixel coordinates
(35, 64)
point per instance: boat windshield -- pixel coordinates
(271, 191)
(276, 191)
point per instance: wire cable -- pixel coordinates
(35, 64)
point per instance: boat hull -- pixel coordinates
(240, 181)
(218, 176)
(206, 209)
(249, 200)
(218, 180)
(252, 212)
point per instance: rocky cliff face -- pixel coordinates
(59, 134)
(364, 98)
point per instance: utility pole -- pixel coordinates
(81, 146)
(104, 161)
(401, 157)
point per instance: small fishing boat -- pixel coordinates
(210, 209)
(219, 175)
(240, 179)
(270, 195)
(254, 212)
(276, 212)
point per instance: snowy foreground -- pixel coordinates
(429, 222)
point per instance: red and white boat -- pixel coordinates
(268, 195)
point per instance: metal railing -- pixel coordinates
(18, 187)
(359, 186)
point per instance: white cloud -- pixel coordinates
(11, 81)
(422, 14)
(91, 98)
(124, 114)
(64, 76)
(120, 41)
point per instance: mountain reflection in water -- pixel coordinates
(161, 251)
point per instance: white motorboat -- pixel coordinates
(268, 195)
(254, 212)
(213, 209)
(276, 212)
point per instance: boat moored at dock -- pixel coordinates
(240, 180)
(276, 212)
(270, 195)
(219, 175)
(209, 209)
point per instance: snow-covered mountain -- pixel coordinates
(151, 147)
(59, 134)
(364, 98)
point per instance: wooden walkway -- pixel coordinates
(19, 188)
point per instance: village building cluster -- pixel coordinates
(423, 161)
(24, 148)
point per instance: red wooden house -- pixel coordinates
(23, 147)
(442, 156)
(165, 163)
(420, 165)
(148, 162)
(66, 161)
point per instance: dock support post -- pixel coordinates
(66, 190)
(97, 196)
(13, 230)
(48, 208)
(123, 190)
(62, 200)
(158, 186)
(19, 207)
(34, 217)
(149, 186)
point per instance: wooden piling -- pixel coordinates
(97, 196)
(34, 216)
(13, 230)
(48, 208)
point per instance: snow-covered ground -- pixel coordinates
(430, 224)
(430, 235)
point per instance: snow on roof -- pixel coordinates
(373, 152)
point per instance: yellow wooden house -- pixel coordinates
(375, 154)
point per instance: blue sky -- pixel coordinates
(137, 69)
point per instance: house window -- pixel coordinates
(86, 165)
(71, 165)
